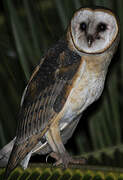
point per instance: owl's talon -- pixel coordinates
(66, 159)
(47, 157)
(58, 162)
(54, 155)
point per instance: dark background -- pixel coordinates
(27, 29)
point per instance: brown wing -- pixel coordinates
(46, 92)
(44, 98)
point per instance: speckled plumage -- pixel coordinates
(69, 78)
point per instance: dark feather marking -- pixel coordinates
(68, 58)
(66, 74)
(46, 118)
(42, 111)
(49, 107)
(37, 114)
(60, 100)
(26, 119)
(42, 79)
(32, 119)
(43, 122)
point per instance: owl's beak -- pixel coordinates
(90, 40)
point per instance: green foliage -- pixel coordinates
(72, 173)
(25, 175)
(27, 29)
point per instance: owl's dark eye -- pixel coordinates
(101, 27)
(83, 26)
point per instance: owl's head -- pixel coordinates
(93, 30)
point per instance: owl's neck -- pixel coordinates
(97, 63)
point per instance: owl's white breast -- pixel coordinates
(87, 88)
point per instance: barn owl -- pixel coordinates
(68, 79)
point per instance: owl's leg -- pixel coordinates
(50, 140)
(59, 151)
(54, 139)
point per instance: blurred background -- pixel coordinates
(27, 29)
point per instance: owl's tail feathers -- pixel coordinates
(5, 153)
(20, 153)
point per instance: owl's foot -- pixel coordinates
(66, 159)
